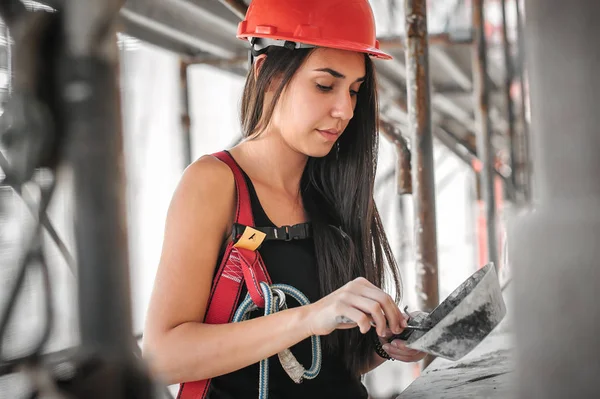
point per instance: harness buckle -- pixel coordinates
(294, 232)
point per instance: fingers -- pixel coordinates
(358, 310)
(396, 321)
(362, 304)
(350, 317)
(400, 345)
(388, 333)
(373, 309)
(398, 350)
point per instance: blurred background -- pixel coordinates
(181, 74)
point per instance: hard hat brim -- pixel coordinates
(335, 44)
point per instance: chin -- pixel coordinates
(318, 152)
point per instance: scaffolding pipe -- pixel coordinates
(465, 153)
(236, 6)
(9, 60)
(436, 39)
(456, 146)
(484, 133)
(441, 57)
(525, 167)
(185, 113)
(91, 110)
(403, 169)
(423, 179)
(181, 27)
(403, 166)
(95, 154)
(515, 160)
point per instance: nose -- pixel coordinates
(343, 107)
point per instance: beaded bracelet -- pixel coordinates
(379, 348)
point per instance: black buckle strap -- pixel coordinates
(296, 232)
(284, 233)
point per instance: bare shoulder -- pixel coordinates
(198, 222)
(207, 189)
(208, 173)
(209, 168)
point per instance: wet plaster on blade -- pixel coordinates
(464, 319)
(464, 334)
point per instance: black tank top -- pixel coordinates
(293, 263)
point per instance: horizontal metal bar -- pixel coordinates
(442, 58)
(236, 6)
(438, 39)
(181, 26)
(467, 154)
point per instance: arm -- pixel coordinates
(194, 351)
(178, 346)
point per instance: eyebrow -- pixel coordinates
(337, 74)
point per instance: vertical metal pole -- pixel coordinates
(525, 168)
(554, 250)
(9, 60)
(94, 153)
(185, 113)
(419, 115)
(484, 142)
(515, 161)
(403, 169)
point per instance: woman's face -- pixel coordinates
(319, 101)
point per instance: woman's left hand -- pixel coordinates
(398, 350)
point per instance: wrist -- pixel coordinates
(301, 321)
(378, 347)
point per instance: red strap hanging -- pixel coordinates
(238, 264)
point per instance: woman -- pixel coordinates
(309, 118)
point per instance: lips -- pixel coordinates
(329, 134)
(330, 131)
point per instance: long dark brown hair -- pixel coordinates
(337, 192)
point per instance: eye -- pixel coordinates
(324, 88)
(354, 93)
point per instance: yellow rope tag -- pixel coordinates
(250, 239)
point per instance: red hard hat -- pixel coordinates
(340, 24)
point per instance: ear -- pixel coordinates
(257, 64)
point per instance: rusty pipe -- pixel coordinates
(484, 133)
(420, 126)
(403, 166)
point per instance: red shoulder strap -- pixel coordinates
(244, 207)
(238, 264)
(251, 263)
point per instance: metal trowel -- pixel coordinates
(456, 326)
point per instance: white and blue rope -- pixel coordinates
(273, 306)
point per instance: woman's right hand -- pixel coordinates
(358, 303)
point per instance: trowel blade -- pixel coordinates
(464, 319)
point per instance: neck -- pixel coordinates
(270, 160)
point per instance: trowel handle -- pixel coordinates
(417, 318)
(403, 335)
